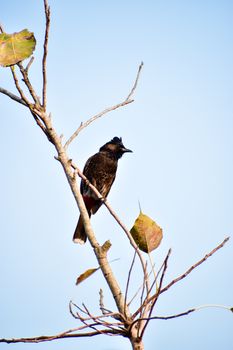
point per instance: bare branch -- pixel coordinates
(100, 253)
(101, 304)
(194, 266)
(128, 279)
(105, 202)
(136, 82)
(151, 308)
(89, 121)
(185, 274)
(23, 100)
(45, 338)
(105, 111)
(185, 313)
(13, 96)
(160, 318)
(29, 64)
(23, 97)
(151, 287)
(44, 61)
(28, 84)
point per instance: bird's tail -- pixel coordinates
(79, 233)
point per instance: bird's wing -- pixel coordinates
(100, 170)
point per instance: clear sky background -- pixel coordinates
(180, 129)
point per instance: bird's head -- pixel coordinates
(115, 147)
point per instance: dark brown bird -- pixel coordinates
(100, 170)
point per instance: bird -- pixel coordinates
(100, 169)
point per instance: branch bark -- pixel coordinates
(44, 60)
(107, 110)
(13, 96)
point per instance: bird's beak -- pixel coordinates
(125, 150)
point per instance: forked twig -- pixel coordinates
(185, 274)
(105, 111)
(195, 265)
(185, 313)
(16, 81)
(28, 84)
(147, 319)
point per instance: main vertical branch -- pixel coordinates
(100, 252)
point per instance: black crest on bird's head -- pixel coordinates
(115, 147)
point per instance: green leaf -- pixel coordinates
(16, 47)
(146, 233)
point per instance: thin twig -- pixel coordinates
(29, 64)
(44, 61)
(23, 97)
(45, 338)
(151, 287)
(28, 84)
(105, 111)
(136, 82)
(115, 315)
(185, 274)
(95, 117)
(185, 313)
(165, 265)
(160, 318)
(98, 322)
(23, 100)
(12, 96)
(101, 303)
(144, 310)
(79, 308)
(128, 279)
(92, 326)
(194, 266)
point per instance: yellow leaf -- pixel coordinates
(85, 275)
(16, 47)
(146, 233)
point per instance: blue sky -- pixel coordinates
(180, 129)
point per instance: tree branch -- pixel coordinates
(105, 202)
(16, 81)
(207, 256)
(44, 60)
(185, 274)
(135, 83)
(100, 252)
(63, 335)
(165, 265)
(185, 313)
(147, 319)
(28, 84)
(105, 111)
(128, 278)
(12, 96)
(128, 325)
